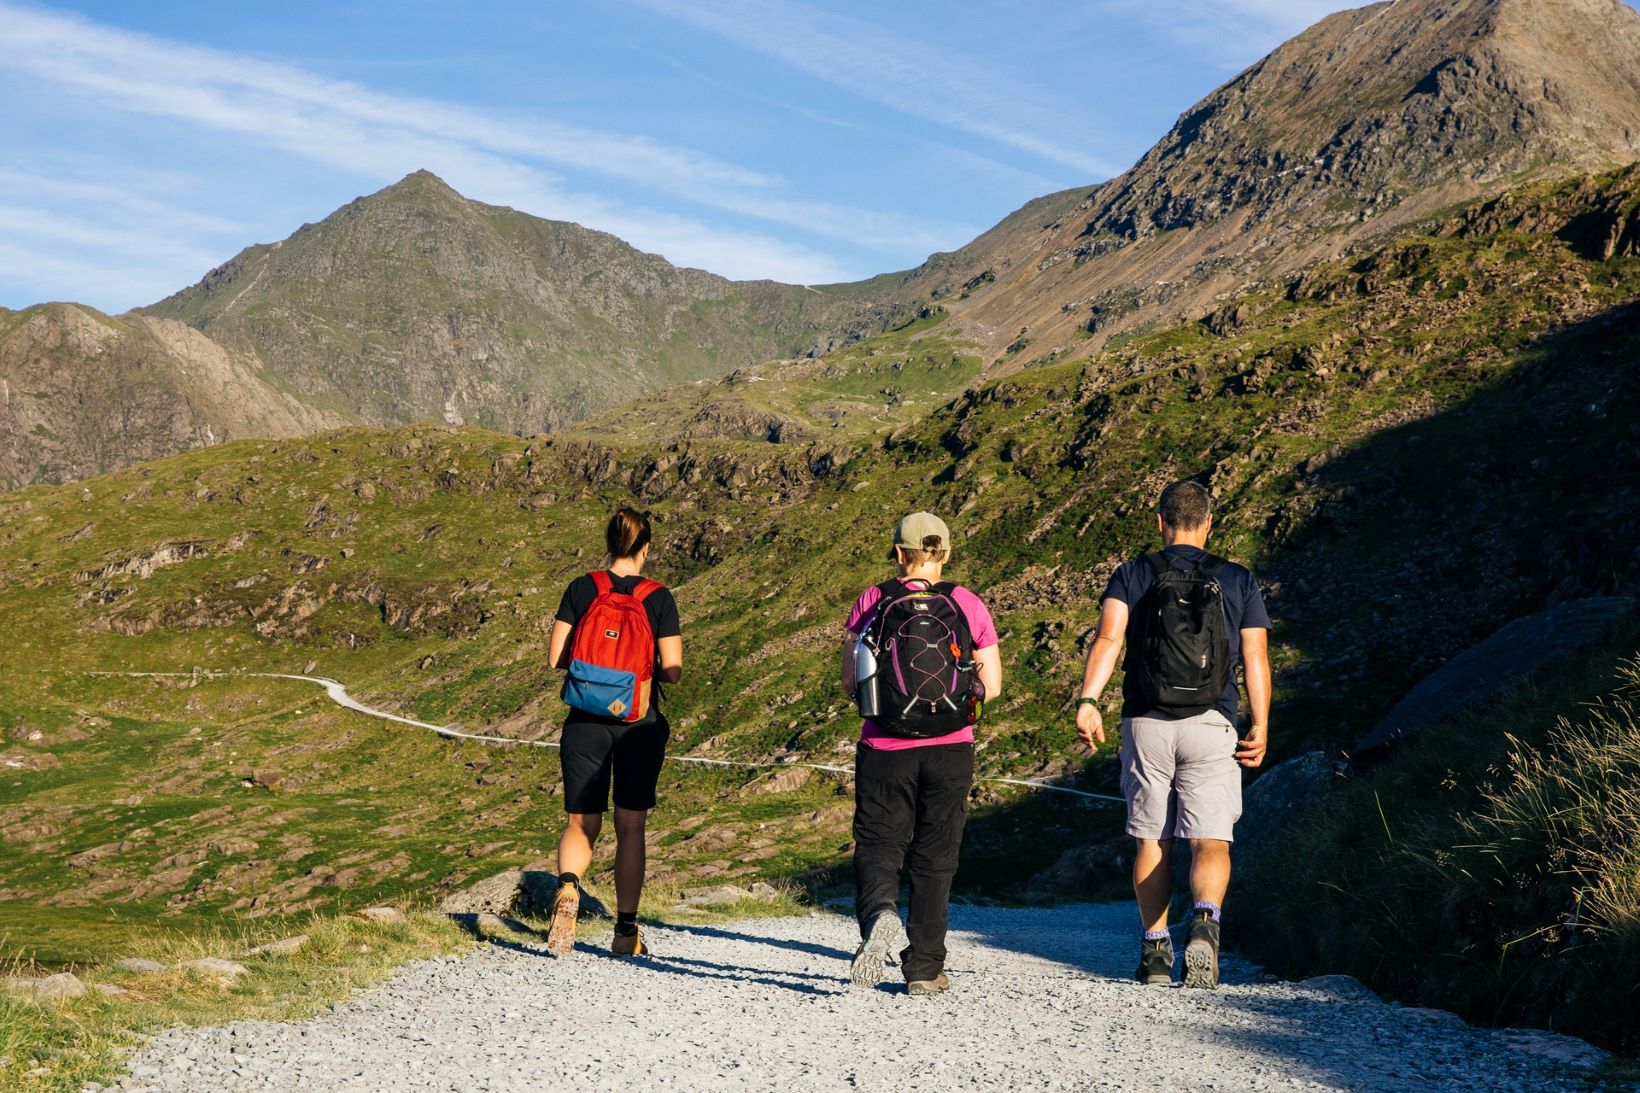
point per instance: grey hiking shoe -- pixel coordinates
(921, 988)
(1201, 952)
(1155, 963)
(872, 955)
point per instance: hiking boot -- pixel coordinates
(628, 944)
(1201, 952)
(566, 908)
(872, 955)
(921, 988)
(1155, 963)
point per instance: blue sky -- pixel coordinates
(810, 142)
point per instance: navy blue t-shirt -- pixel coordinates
(1243, 610)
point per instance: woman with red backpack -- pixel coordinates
(616, 633)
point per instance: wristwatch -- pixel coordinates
(1094, 702)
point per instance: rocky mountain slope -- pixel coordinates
(1368, 121)
(416, 304)
(84, 394)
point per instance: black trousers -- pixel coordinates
(910, 807)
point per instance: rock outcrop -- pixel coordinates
(1484, 672)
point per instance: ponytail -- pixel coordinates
(628, 533)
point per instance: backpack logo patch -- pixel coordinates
(617, 707)
(612, 635)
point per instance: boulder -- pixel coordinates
(285, 946)
(215, 965)
(1278, 799)
(1082, 871)
(380, 915)
(1484, 672)
(58, 988)
(137, 965)
(517, 892)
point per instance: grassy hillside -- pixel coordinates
(1411, 419)
(1494, 868)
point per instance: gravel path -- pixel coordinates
(1040, 1000)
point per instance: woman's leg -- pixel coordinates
(631, 857)
(575, 848)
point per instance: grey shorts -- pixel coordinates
(1180, 776)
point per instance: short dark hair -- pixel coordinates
(1185, 506)
(628, 533)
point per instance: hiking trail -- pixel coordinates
(1041, 999)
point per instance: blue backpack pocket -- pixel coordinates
(607, 692)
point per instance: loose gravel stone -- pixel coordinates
(1040, 999)
(139, 966)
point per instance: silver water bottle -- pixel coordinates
(865, 678)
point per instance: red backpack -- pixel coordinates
(612, 656)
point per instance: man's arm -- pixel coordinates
(1102, 656)
(1255, 660)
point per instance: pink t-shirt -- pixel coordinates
(980, 626)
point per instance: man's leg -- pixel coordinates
(1152, 882)
(942, 812)
(1209, 871)
(1209, 786)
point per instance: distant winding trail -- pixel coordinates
(1041, 999)
(337, 693)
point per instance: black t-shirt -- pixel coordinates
(1243, 610)
(659, 605)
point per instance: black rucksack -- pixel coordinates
(926, 678)
(1179, 656)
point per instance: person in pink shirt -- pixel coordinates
(936, 661)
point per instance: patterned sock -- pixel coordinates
(1158, 935)
(1209, 906)
(570, 879)
(626, 923)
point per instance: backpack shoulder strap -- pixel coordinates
(1158, 563)
(944, 588)
(645, 588)
(601, 581)
(892, 589)
(1209, 565)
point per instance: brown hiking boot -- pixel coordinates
(921, 988)
(566, 908)
(629, 944)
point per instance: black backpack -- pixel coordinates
(926, 679)
(1179, 655)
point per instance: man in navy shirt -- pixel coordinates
(1181, 775)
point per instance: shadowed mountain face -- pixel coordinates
(82, 394)
(1371, 119)
(416, 304)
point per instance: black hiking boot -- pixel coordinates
(1201, 952)
(1156, 963)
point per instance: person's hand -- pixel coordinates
(1250, 748)
(1090, 725)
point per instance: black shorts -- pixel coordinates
(593, 751)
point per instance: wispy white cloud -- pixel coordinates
(913, 77)
(506, 160)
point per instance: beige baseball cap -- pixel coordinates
(917, 527)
